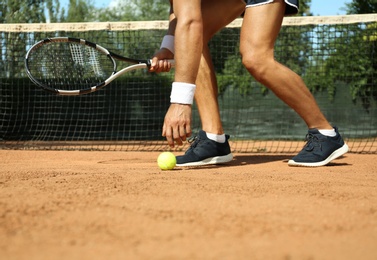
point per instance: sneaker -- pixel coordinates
(319, 149)
(204, 151)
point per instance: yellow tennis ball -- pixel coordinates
(166, 161)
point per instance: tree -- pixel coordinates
(351, 57)
(136, 10)
(80, 11)
(18, 11)
(361, 7)
(55, 14)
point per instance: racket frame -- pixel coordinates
(138, 64)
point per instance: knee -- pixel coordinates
(257, 63)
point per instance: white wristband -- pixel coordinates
(168, 43)
(182, 93)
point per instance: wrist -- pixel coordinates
(182, 93)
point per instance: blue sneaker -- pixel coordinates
(319, 149)
(204, 151)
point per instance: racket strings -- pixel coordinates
(87, 60)
(69, 66)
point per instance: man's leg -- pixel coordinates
(206, 96)
(211, 145)
(259, 32)
(260, 29)
(216, 15)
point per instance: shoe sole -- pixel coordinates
(208, 161)
(337, 153)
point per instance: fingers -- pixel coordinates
(177, 124)
(160, 61)
(175, 136)
(160, 65)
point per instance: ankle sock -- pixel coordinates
(216, 138)
(326, 132)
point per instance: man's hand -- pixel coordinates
(160, 61)
(177, 124)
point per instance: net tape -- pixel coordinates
(161, 25)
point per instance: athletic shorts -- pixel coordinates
(292, 5)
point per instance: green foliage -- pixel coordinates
(80, 11)
(136, 10)
(55, 13)
(21, 11)
(362, 7)
(305, 8)
(357, 64)
(350, 58)
(41, 11)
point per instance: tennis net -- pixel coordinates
(335, 55)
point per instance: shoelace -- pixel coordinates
(311, 141)
(193, 141)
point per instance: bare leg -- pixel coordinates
(206, 96)
(260, 29)
(207, 89)
(205, 150)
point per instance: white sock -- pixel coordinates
(326, 132)
(216, 138)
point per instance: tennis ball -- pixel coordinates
(166, 161)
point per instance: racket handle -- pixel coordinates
(171, 61)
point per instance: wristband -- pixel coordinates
(182, 93)
(168, 43)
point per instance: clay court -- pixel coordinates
(79, 177)
(119, 205)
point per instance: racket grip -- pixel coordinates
(171, 61)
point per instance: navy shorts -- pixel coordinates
(292, 5)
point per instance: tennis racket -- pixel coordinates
(69, 66)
